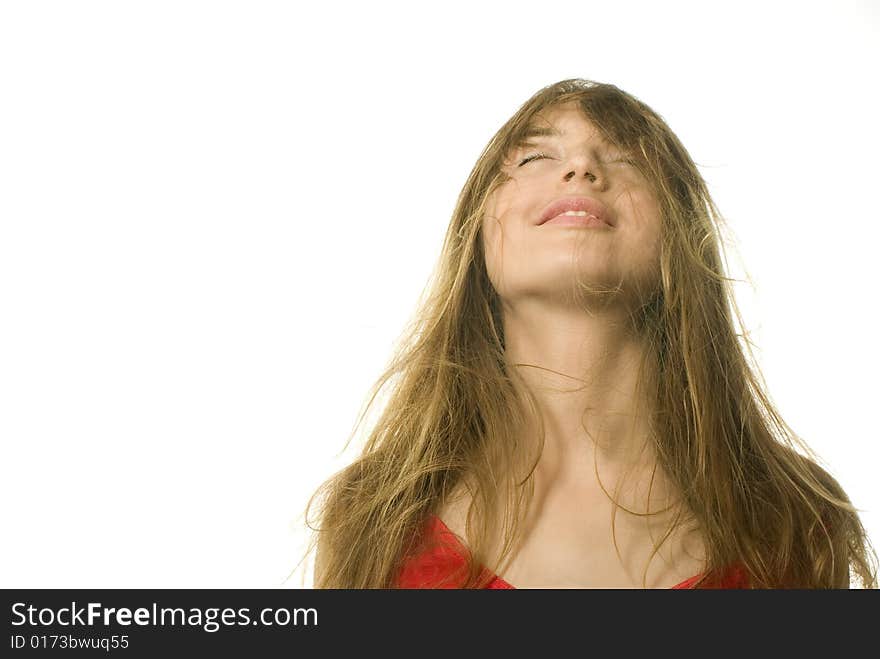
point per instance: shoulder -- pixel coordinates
(453, 511)
(320, 559)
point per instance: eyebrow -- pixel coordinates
(541, 131)
(538, 131)
(531, 131)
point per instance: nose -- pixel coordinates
(585, 166)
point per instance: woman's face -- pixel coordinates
(524, 258)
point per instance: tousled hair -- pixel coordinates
(754, 487)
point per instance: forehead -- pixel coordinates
(561, 121)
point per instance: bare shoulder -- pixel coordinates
(320, 558)
(454, 510)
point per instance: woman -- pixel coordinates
(574, 407)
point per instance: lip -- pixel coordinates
(588, 204)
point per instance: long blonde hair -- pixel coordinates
(755, 488)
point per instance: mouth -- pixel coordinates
(583, 210)
(577, 219)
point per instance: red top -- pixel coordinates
(442, 565)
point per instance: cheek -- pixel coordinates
(645, 214)
(501, 238)
(653, 225)
(492, 237)
(495, 222)
(648, 237)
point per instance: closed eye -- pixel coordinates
(532, 157)
(537, 156)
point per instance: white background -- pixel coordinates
(217, 217)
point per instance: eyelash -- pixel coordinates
(535, 156)
(532, 157)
